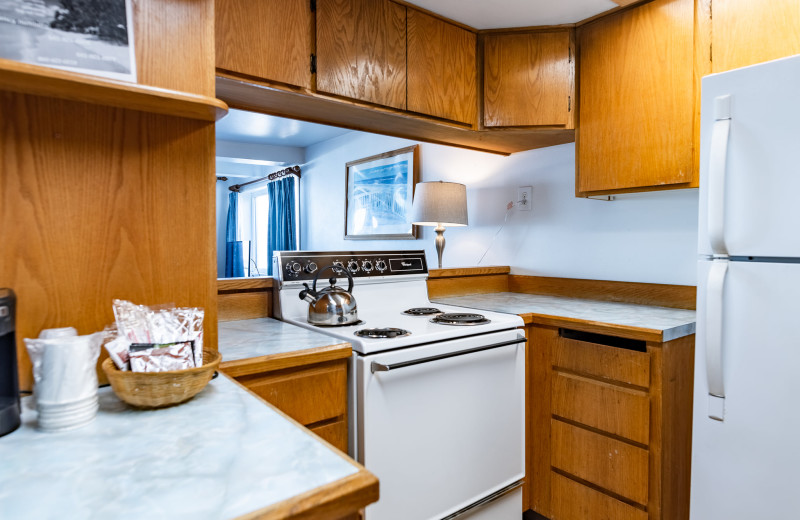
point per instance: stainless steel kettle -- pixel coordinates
(331, 306)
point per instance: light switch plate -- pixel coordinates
(524, 198)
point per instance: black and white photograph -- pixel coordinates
(88, 36)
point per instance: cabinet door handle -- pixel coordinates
(717, 169)
(380, 367)
(715, 290)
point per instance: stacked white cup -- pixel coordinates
(65, 379)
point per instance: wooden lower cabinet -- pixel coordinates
(609, 426)
(314, 395)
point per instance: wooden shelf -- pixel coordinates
(44, 81)
(258, 96)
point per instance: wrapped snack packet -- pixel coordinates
(161, 324)
(160, 358)
(191, 329)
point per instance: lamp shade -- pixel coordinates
(439, 203)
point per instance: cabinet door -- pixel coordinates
(637, 99)
(441, 69)
(361, 50)
(268, 39)
(528, 79)
(744, 32)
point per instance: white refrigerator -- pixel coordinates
(746, 428)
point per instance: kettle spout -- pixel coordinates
(308, 294)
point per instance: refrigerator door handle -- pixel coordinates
(714, 315)
(717, 169)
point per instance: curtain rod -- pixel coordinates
(291, 170)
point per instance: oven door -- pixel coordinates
(442, 427)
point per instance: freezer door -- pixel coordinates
(748, 464)
(443, 431)
(750, 161)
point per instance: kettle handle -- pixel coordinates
(343, 269)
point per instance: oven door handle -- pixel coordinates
(497, 495)
(380, 367)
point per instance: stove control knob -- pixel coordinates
(352, 266)
(380, 265)
(366, 266)
(310, 268)
(338, 266)
(293, 268)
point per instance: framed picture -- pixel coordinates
(379, 194)
(88, 36)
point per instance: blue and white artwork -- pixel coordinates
(379, 196)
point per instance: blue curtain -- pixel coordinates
(282, 224)
(234, 265)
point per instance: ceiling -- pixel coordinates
(251, 127)
(482, 14)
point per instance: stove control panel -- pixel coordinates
(305, 265)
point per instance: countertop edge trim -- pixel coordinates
(284, 360)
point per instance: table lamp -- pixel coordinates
(439, 204)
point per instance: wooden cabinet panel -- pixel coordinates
(610, 408)
(307, 395)
(441, 69)
(573, 501)
(528, 79)
(617, 364)
(269, 39)
(335, 433)
(361, 50)
(744, 32)
(608, 463)
(637, 99)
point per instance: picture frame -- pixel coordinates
(379, 191)
(85, 36)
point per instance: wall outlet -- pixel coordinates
(524, 198)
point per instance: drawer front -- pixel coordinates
(307, 395)
(571, 500)
(605, 462)
(613, 409)
(335, 433)
(614, 363)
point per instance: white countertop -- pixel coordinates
(674, 323)
(222, 454)
(266, 336)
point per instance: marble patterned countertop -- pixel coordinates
(265, 337)
(221, 455)
(672, 323)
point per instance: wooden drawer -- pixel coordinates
(570, 500)
(335, 433)
(613, 465)
(611, 408)
(307, 395)
(585, 354)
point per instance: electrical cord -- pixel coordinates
(505, 219)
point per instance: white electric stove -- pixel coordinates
(436, 391)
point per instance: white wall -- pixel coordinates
(649, 237)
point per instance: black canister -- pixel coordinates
(9, 378)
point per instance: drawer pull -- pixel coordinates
(636, 345)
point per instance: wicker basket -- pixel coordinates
(161, 389)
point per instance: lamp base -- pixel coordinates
(439, 242)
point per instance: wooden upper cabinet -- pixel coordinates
(528, 79)
(361, 50)
(637, 96)
(268, 39)
(441, 69)
(744, 32)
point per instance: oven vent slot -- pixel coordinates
(636, 345)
